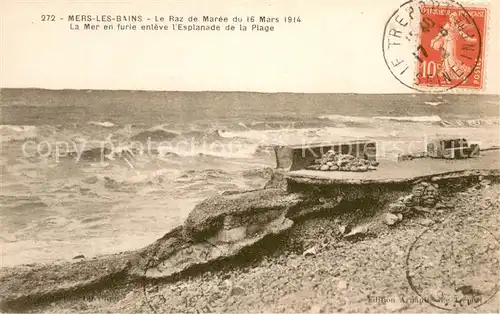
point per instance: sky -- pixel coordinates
(337, 47)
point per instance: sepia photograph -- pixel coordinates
(249, 157)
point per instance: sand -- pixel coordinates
(367, 273)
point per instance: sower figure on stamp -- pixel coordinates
(447, 41)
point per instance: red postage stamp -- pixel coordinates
(451, 47)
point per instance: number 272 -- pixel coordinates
(48, 18)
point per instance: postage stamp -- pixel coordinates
(434, 46)
(452, 54)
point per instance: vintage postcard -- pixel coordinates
(249, 157)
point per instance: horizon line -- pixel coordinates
(250, 92)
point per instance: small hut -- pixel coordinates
(451, 148)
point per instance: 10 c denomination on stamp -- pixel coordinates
(433, 46)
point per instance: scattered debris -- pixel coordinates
(397, 208)
(391, 219)
(440, 205)
(421, 209)
(357, 232)
(342, 285)
(342, 230)
(325, 243)
(404, 157)
(345, 229)
(309, 252)
(485, 183)
(237, 291)
(426, 222)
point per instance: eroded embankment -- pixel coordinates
(233, 230)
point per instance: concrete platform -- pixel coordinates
(394, 171)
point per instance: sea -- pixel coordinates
(87, 172)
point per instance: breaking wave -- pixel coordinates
(154, 135)
(412, 119)
(228, 150)
(341, 118)
(105, 124)
(434, 119)
(471, 122)
(433, 103)
(231, 139)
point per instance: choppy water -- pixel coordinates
(142, 160)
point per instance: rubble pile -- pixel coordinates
(335, 161)
(424, 195)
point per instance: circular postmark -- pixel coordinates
(167, 262)
(433, 45)
(455, 267)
